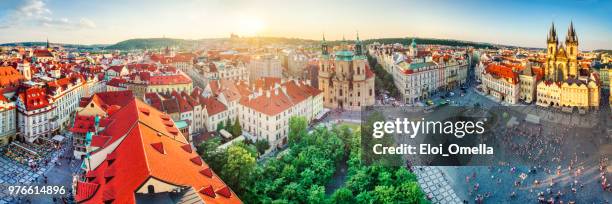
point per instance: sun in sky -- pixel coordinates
(250, 25)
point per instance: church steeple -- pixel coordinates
(552, 34)
(48, 46)
(358, 46)
(571, 34)
(324, 48)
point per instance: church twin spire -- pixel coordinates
(552, 34)
(571, 37)
(358, 45)
(571, 34)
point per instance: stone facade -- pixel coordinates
(345, 77)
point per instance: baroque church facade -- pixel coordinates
(345, 77)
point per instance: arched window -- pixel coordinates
(150, 189)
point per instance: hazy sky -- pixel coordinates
(523, 23)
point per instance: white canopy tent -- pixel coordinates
(58, 138)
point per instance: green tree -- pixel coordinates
(307, 177)
(410, 192)
(384, 178)
(289, 172)
(237, 129)
(220, 126)
(293, 192)
(341, 196)
(316, 194)
(403, 175)
(215, 157)
(364, 197)
(240, 164)
(228, 125)
(297, 129)
(344, 132)
(384, 194)
(262, 145)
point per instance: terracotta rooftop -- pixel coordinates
(9, 76)
(148, 151)
(34, 98)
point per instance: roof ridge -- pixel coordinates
(144, 152)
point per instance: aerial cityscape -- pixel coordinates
(278, 102)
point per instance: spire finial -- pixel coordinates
(323, 36)
(358, 35)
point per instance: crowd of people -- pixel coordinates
(31, 155)
(533, 144)
(558, 171)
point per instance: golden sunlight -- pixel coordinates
(250, 25)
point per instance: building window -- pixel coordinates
(150, 189)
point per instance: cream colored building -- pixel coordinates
(226, 70)
(265, 114)
(501, 82)
(418, 77)
(159, 83)
(568, 94)
(345, 78)
(8, 123)
(528, 80)
(605, 75)
(266, 65)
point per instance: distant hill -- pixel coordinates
(151, 43)
(432, 41)
(76, 46)
(604, 51)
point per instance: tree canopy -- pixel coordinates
(300, 173)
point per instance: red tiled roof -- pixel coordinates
(42, 53)
(9, 76)
(266, 83)
(503, 72)
(212, 67)
(275, 103)
(184, 106)
(213, 106)
(83, 124)
(137, 161)
(170, 106)
(142, 67)
(116, 82)
(85, 190)
(169, 79)
(117, 68)
(369, 73)
(34, 98)
(225, 192)
(109, 100)
(539, 73)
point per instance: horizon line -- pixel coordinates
(222, 38)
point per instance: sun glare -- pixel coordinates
(251, 25)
